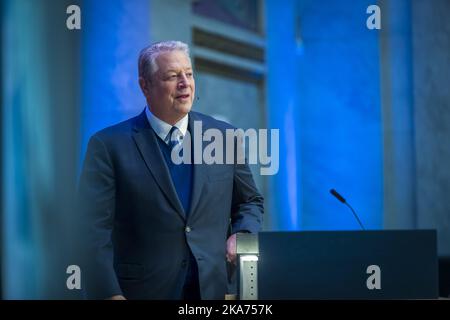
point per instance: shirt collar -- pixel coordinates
(162, 128)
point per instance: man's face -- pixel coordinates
(172, 87)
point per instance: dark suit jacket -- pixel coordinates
(138, 236)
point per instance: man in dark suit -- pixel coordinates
(159, 230)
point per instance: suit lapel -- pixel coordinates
(145, 139)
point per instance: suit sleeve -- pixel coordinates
(247, 203)
(97, 196)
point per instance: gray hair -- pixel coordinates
(147, 58)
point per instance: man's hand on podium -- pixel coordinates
(231, 249)
(117, 297)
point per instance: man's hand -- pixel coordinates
(118, 297)
(231, 249)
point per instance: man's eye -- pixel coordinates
(189, 74)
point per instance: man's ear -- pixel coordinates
(144, 86)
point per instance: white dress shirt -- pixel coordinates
(162, 128)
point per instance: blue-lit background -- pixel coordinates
(366, 112)
(324, 92)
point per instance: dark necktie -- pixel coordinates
(175, 137)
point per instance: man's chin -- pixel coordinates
(183, 108)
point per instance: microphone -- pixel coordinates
(341, 199)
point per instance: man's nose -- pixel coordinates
(184, 81)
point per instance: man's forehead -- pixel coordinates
(173, 60)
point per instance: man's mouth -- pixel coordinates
(182, 96)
